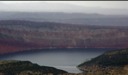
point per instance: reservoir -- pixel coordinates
(65, 59)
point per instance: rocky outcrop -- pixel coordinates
(11, 67)
(110, 63)
(19, 35)
(100, 70)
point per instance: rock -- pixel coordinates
(26, 68)
(110, 63)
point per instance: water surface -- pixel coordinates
(65, 59)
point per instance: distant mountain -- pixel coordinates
(71, 18)
(13, 67)
(19, 35)
(110, 63)
(42, 6)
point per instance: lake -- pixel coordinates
(65, 59)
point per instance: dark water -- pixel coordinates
(66, 59)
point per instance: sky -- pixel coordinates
(106, 7)
(102, 4)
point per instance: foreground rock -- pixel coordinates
(27, 68)
(110, 63)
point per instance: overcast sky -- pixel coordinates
(102, 7)
(102, 4)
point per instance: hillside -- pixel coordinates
(70, 18)
(110, 63)
(13, 67)
(18, 35)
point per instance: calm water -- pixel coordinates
(66, 59)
